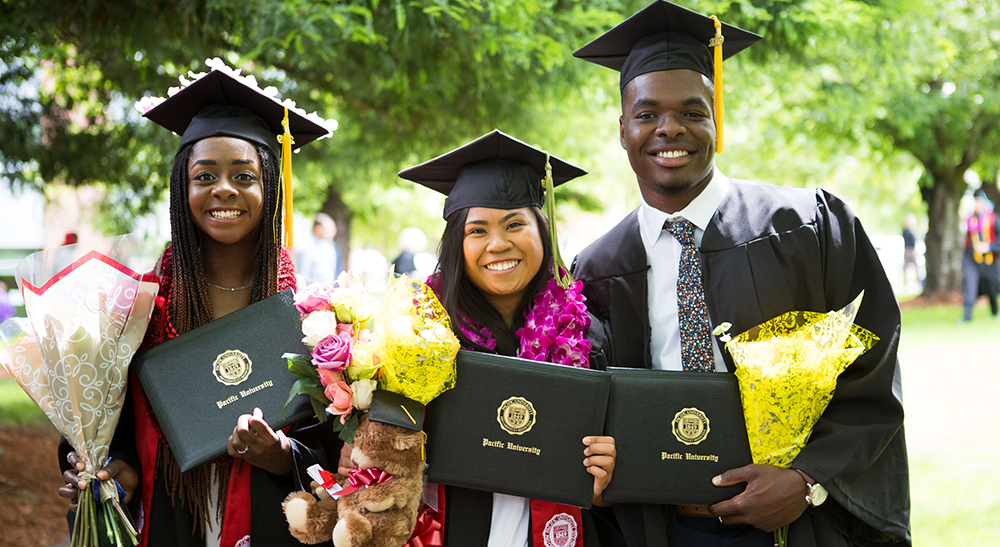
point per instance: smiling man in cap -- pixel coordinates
(702, 249)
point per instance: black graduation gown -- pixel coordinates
(769, 250)
(468, 513)
(981, 278)
(311, 442)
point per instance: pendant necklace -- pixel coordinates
(243, 288)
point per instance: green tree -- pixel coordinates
(922, 78)
(406, 79)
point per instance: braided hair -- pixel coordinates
(191, 306)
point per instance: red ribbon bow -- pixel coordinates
(364, 478)
(329, 479)
(428, 531)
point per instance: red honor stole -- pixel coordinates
(556, 525)
(236, 521)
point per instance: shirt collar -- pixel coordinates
(699, 212)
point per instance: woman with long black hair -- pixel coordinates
(225, 254)
(500, 280)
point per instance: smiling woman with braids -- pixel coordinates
(225, 254)
(496, 277)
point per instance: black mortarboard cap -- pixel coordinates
(395, 409)
(218, 105)
(663, 36)
(495, 171)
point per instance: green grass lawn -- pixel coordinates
(17, 408)
(950, 375)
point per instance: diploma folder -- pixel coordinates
(199, 383)
(516, 427)
(673, 432)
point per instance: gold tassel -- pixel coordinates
(286, 141)
(550, 211)
(719, 113)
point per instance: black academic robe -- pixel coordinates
(770, 250)
(981, 278)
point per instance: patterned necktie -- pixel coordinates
(696, 346)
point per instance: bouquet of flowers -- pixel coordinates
(357, 345)
(86, 317)
(787, 369)
(339, 373)
(415, 342)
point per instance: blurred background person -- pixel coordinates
(410, 242)
(6, 306)
(318, 258)
(980, 267)
(910, 248)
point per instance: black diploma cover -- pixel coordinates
(202, 381)
(673, 432)
(516, 427)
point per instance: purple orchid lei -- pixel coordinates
(554, 327)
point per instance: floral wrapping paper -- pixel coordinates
(87, 316)
(787, 369)
(415, 342)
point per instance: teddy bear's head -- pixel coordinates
(392, 448)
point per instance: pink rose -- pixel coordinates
(327, 377)
(340, 394)
(332, 353)
(315, 297)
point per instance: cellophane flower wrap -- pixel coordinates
(787, 370)
(415, 342)
(87, 313)
(339, 373)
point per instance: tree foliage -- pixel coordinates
(854, 93)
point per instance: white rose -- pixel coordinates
(362, 398)
(354, 305)
(317, 326)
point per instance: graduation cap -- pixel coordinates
(224, 104)
(665, 36)
(499, 172)
(495, 171)
(395, 409)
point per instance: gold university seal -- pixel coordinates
(231, 367)
(690, 426)
(516, 415)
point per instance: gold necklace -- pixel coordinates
(245, 287)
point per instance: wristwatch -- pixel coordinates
(816, 494)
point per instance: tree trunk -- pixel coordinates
(991, 185)
(943, 257)
(341, 214)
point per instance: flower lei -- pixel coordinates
(554, 326)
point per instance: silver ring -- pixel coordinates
(246, 448)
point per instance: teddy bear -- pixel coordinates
(381, 515)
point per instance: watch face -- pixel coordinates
(817, 495)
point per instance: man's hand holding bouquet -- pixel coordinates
(787, 369)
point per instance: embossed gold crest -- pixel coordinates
(516, 415)
(690, 426)
(232, 367)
